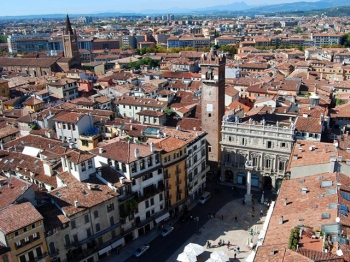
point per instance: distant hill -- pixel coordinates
(235, 8)
(242, 6)
(301, 6)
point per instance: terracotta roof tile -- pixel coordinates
(123, 151)
(14, 213)
(75, 190)
(12, 188)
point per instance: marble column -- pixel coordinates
(248, 195)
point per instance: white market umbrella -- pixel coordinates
(219, 256)
(210, 260)
(186, 257)
(194, 249)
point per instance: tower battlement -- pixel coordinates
(212, 58)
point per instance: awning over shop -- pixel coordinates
(118, 243)
(162, 217)
(104, 250)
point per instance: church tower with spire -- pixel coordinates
(70, 41)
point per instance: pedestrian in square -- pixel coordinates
(238, 249)
(208, 244)
(228, 245)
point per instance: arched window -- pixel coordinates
(111, 220)
(95, 214)
(5, 258)
(67, 239)
(52, 247)
(98, 227)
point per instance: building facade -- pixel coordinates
(265, 140)
(25, 234)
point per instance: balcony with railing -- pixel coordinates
(178, 181)
(125, 197)
(236, 165)
(54, 253)
(108, 134)
(148, 192)
(168, 197)
(41, 258)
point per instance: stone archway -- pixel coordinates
(267, 183)
(241, 178)
(278, 183)
(229, 176)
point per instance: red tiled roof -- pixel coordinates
(14, 215)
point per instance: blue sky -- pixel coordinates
(25, 7)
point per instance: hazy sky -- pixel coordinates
(26, 7)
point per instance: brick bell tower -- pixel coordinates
(70, 41)
(213, 102)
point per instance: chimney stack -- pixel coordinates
(281, 220)
(76, 203)
(100, 150)
(89, 186)
(152, 147)
(137, 153)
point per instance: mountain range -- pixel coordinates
(233, 8)
(242, 6)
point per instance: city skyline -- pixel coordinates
(89, 7)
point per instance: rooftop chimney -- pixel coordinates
(332, 165)
(76, 203)
(137, 153)
(89, 186)
(100, 150)
(280, 221)
(152, 147)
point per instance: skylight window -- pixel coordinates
(332, 206)
(325, 216)
(331, 191)
(343, 207)
(326, 184)
(345, 195)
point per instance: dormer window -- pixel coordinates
(133, 168)
(142, 164)
(89, 163)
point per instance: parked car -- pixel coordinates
(142, 249)
(166, 231)
(186, 216)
